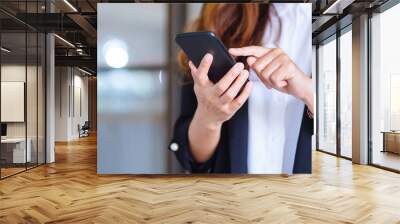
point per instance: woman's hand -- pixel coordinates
(276, 70)
(219, 102)
(216, 103)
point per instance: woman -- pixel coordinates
(266, 127)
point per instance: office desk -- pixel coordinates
(391, 141)
(13, 150)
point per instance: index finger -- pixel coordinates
(256, 51)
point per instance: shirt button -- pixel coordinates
(174, 146)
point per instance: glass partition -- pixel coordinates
(22, 91)
(41, 107)
(31, 99)
(14, 153)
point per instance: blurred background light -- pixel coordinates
(115, 53)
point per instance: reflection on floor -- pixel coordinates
(70, 191)
(12, 169)
(386, 159)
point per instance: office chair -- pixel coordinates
(84, 130)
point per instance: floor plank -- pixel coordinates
(70, 191)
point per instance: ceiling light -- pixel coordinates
(337, 7)
(65, 41)
(84, 71)
(79, 51)
(5, 50)
(70, 5)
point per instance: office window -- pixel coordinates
(327, 97)
(385, 89)
(346, 94)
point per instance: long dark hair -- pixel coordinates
(236, 24)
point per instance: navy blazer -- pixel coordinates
(231, 153)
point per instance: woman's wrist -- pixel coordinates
(203, 120)
(308, 94)
(203, 136)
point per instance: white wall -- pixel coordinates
(62, 81)
(33, 126)
(79, 117)
(12, 73)
(70, 83)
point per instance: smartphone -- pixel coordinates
(197, 44)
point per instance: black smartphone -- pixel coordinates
(197, 44)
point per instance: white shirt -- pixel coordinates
(275, 117)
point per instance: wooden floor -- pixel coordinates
(70, 191)
(5, 172)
